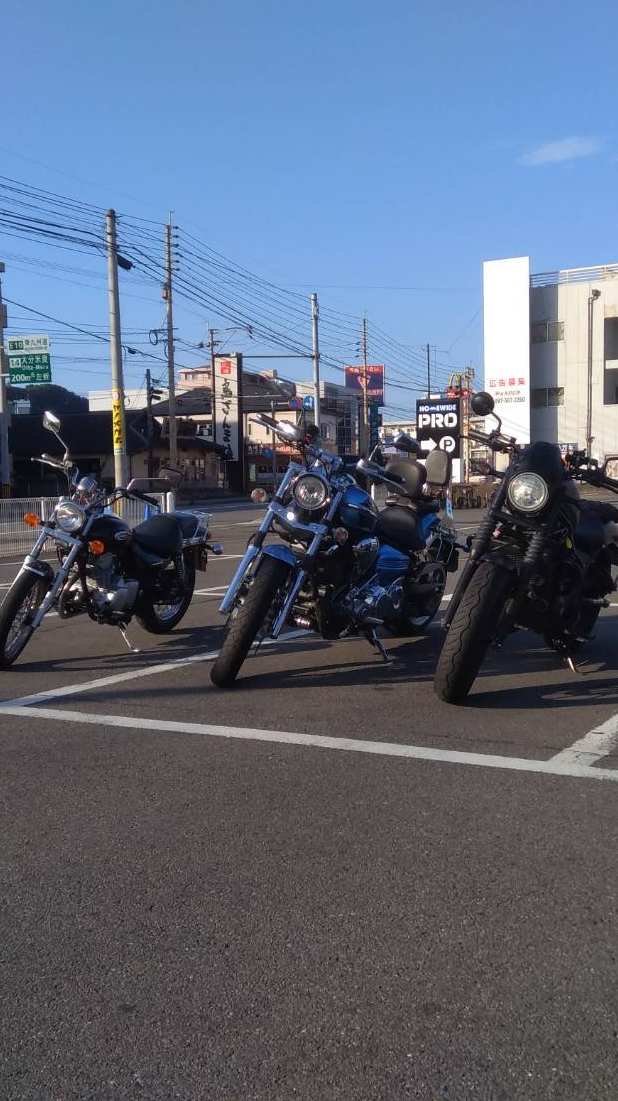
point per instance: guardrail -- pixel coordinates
(17, 539)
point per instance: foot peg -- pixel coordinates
(123, 632)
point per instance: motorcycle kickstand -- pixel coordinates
(123, 631)
(372, 638)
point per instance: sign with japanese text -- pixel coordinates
(28, 358)
(373, 374)
(227, 408)
(118, 424)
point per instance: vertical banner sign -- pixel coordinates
(117, 424)
(374, 425)
(506, 324)
(228, 416)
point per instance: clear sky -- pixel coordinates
(349, 148)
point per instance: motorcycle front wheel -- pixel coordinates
(160, 617)
(16, 614)
(246, 619)
(469, 635)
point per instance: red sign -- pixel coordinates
(226, 367)
(373, 375)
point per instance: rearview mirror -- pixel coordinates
(170, 476)
(482, 404)
(51, 422)
(403, 442)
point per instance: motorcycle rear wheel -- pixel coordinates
(246, 619)
(161, 618)
(16, 613)
(471, 632)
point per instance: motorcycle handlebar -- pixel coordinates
(143, 497)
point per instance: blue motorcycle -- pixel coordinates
(340, 566)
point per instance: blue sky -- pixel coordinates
(347, 148)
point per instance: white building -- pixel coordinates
(99, 400)
(551, 353)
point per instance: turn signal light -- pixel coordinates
(258, 496)
(96, 547)
(31, 519)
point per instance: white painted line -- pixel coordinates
(595, 744)
(132, 674)
(318, 741)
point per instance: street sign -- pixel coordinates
(295, 403)
(374, 424)
(438, 424)
(308, 402)
(29, 358)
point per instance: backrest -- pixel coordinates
(439, 465)
(413, 473)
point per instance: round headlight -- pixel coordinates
(69, 516)
(527, 492)
(310, 491)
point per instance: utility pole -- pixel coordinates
(589, 437)
(315, 312)
(119, 428)
(149, 422)
(366, 440)
(5, 458)
(167, 294)
(428, 374)
(212, 345)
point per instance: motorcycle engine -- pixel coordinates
(109, 592)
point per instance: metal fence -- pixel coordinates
(17, 539)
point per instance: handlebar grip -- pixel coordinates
(143, 497)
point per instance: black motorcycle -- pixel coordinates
(541, 559)
(106, 569)
(340, 566)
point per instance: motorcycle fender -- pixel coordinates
(284, 554)
(41, 569)
(499, 560)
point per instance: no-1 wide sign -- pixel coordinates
(438, 424)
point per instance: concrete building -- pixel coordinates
(551, 353)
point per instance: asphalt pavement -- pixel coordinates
(321, 884)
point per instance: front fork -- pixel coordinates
(31, 564)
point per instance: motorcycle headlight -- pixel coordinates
(69, 516)
(527, 492)
(310, 491)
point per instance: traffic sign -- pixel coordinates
(308, 402)
(29, 358)
(438, 424)
(295, 403)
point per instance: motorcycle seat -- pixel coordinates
(606, 512)
(160, 535)
(189, 523)
(422, 506)
(398, 526)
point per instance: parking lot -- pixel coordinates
(322, 884)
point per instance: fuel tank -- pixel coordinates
(105, 528)
(358, 513)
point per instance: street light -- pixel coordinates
(589, 437)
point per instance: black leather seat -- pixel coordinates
(604, 510)
(161, 535)
(399, 527)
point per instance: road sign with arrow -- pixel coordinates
(438, 424)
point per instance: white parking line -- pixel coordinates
(319, 741)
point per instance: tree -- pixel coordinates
(49, 396)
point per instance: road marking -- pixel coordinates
(132, 674)
(595, 744)
(319, 741)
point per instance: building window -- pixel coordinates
(546, 332)
(547, 396)
(610, 356)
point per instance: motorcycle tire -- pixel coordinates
(415, 619)
(159, 619)
(471, 632)
(16, 612)
(246, 619)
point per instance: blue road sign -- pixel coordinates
(295, 403)
(308, 402)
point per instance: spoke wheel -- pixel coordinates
(16, 614)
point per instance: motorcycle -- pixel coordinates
(340, 567)
(107, 569)
(541, 559)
